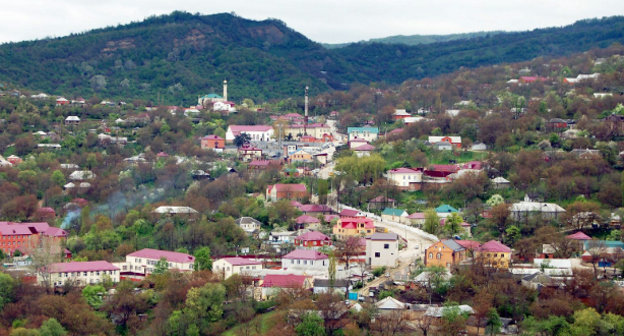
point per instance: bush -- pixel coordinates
(379, 271)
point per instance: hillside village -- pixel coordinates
(488, 200)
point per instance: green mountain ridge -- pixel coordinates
(171, 59)
(413, 40)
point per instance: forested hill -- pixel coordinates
(173, 58)
(396, 62)
(417, 39)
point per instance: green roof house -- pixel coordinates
(445, 208)
(395, 215)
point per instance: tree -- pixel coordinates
(500, 216)
(389, 324)
(435, 280)
(495, 199)
(205, 304)
(348, 248)
(241, 139)
(7, 289)
(432, 222)
(93, 295)
(311, 325)
(586, 322)
(58, 178)
(482, 303)
(581, 214)
(452, 224)
(453, 320)
(365, 170)
(203, 261)
(332, 271)
(51, 327)
(125, 304)
(493, 322)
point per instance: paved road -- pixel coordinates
(417, 242)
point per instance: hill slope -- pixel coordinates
(413, 40)
(173, 58)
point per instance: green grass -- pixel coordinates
(443, 157)
(265, 321)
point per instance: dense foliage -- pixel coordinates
(174, 58)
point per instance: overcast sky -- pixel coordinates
(330, 21)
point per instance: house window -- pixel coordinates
(430, 255)
(439, 256)
(386, 246)
(377, 255)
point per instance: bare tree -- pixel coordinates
(597, 250)
(349, 248)
(390, 324)
(46, 253)
(424, 324)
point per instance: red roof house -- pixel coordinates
(494, 246)
(213, 142)
(284, 281)
(315, 209)
(579, 236)
(312, 239)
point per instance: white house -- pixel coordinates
(174, 210)
(228, 266)
(81, 175)
(369, 134)
(363, 150)
(522, 210)
(225, 106)
(143, 261)
(453, 140)
(305, 260)
(382, 249)
(403, 177)
(81, 273)
(255, 132)
(248, 224)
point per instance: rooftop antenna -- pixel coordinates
(305, 118)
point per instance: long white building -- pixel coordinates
(80, 273)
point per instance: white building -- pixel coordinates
(255, 132)
(248, 224)
(228, 266)
(143, 261)
(174, 210)
(522, 210)
(305, 260)
(382, 249)
(403, 177)
(225, 106)
(81, 273)
(81, 175)
(369, 134)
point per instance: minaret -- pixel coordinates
(305, 118)
(225, 90)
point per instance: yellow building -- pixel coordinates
(494, 254)
(316, 130)
(300, 156)
(353, 226)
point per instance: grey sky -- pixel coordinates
(329, 21)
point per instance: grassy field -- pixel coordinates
(265, 322)
(443, 157)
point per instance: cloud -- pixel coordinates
(321, 20)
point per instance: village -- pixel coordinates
(394, 214)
